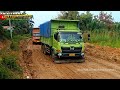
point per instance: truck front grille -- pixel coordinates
(67, 50)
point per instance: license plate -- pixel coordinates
(72, 54)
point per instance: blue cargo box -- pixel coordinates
(45, 29)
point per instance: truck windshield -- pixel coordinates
(70, 37)
(36, 34)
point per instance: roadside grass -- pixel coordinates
(9, 56)
(9, 68)
(16, 39)
(105, 38)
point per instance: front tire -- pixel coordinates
(82, 59)
(42, 48)
(53, 56)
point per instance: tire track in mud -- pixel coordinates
(69, 71)
(58, 70)
(26, 59)
(44, 66)
(93, 68)
(48, 68)
(96, 64)
(106, 67)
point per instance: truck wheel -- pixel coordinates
(44, 50)
(53, 56)
(82, 59)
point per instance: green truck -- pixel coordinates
(62, 39)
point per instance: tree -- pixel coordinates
(89, 21)
(71, 15)
(86, 20)
(63, 15)
(21, 26)
(106, 19)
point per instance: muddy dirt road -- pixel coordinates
(101, 63)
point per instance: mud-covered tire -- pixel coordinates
(81, 61)
(53, 56)
(44, 50)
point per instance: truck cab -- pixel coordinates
(69, 44)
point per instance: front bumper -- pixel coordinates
(68, 54)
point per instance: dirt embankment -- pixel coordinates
(101, 62)
(106, 53)
(1, 45)
(26, 60)
(4, 44)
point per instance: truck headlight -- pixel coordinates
(59, 54)
(82, 54)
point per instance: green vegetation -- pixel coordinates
(20, 25)
(9, 55)
(5, 73)
(106, 38)
(10, 62)
(9, 68)
(16, 39)
(102, 28)
(9, 58)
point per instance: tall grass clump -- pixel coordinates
(16, 39)
(9, 68)
(105, 38)
(10, 62)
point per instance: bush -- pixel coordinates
(7, 34)
(9, 68)
(5, 73)
(14, 46)
(106, 38)
(11, 63)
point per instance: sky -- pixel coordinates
(43, 16)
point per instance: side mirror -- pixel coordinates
(55, 37)
(80, 37)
